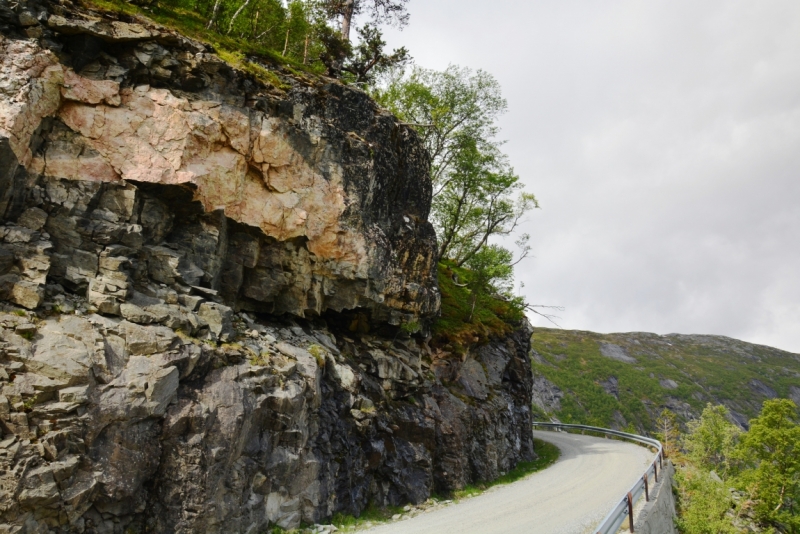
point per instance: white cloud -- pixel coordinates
(663, 141)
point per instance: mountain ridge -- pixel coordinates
(624, 380)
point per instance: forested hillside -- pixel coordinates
(626, 380)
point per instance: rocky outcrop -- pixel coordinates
(114, 426)
(546, 395)
(208, 290)
(307, 198)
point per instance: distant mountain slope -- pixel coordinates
(625, 380)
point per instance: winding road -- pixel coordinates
(570, 497)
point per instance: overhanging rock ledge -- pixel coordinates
(208, 290)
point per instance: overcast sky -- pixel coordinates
(662, 139)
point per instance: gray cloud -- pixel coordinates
(663, 141)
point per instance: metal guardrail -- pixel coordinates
(624, 508)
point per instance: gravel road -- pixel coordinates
(570, 497)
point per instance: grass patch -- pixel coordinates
(259, 360)
(372, 514)
(233, 50)
(318, 353)
(492, 316)
(548, 454)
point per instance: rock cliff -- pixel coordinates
(208, 286)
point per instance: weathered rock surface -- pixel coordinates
(112, 426)
(615, 352)
(546, 395)
(201, 282)
(298, 201)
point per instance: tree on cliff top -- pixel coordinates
(476, 194)
(379, 11)
(368, 59)
(362, 62)
(452, 110)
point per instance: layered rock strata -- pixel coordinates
(114, 426)
(309, 198)
(198, 272)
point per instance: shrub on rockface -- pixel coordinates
(470, 317)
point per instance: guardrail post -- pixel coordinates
(630, 510)
(655, 471)
(646, 488)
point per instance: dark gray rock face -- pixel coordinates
(615, 352)
(611, 386)
(546, 395)
(794, 394)
(114, 426)
(298, 199)
(199, 334)
(762, 389)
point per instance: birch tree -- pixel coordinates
(379, 12)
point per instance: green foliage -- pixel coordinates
(770, 452)
(762, 463)
(476, 202)
(265, 31)
(318, 352)
(704, 368)
(711, 440)
(28, 404)
(468, 318)
(28, 335)
(361, 63)
(490, 271)
(380, 11)
(477, 197)
(703, 503)
(446, 108)
(368, 58)
(410, 327)
(259, 360)
(372, 514)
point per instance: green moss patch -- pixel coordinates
(492, 316)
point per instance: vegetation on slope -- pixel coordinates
(681, 373)
(730, 481)
(304, 36)
(477, 197)
(181, 16)
(459, 325)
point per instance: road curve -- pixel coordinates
(570, 497)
